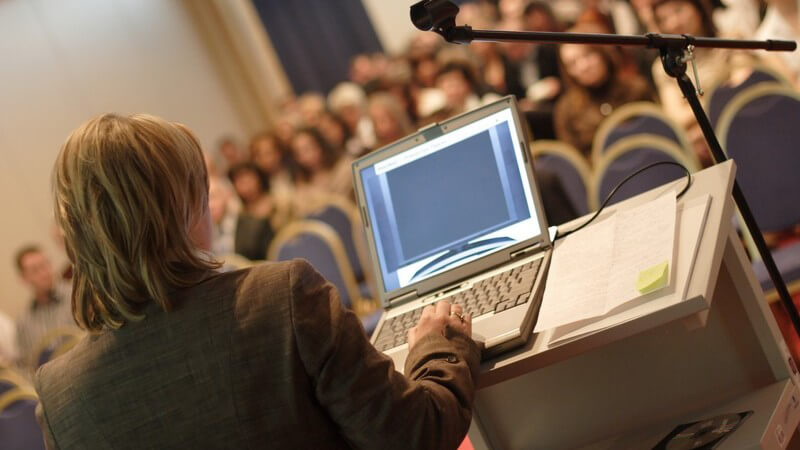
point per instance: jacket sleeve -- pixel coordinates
(49, 442)
(374, 405)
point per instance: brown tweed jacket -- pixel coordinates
(259, 358)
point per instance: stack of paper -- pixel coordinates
(603, 266)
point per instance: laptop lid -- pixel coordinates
(450, 201)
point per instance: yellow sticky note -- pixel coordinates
(653, 278)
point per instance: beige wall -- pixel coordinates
(391, 21)
(62, 62)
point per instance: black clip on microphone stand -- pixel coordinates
(439, 16)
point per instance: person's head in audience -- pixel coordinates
(511, 9)
(312, 154)
(458, 83)
(267, 152)
(349, 102)
(692, 17)
(131, 194)
(362, 69)
(538, 16)
(249, 182)
(334, 129)
(586, 66)
(36, 271)
(388, 118)
(219, 196)
(228, 149)
(311, 106)
(516, 52)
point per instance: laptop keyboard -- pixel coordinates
(497, 293)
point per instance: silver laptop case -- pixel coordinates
(474, 168)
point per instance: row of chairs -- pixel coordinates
(756, 123)
(18, 427)
(587, 186)
(332, 239)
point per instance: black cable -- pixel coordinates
(619, 185)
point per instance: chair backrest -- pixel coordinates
(723, 94)
(633, 119)
(55, 343)
(319, 244)
(631, 154)
(338, 216)
(18, 426)
(760, 130)
(571, 168)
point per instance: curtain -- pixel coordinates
(316, 39)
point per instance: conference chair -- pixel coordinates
(718, 96)
(633, 119)
(319, 244)
(760, 130)
(343, 216)
(631, 154)
(571, 168)
(11, 380)
(18, 427)
(55, 343)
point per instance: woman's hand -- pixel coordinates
(439, 318)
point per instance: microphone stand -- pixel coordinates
(676, 51)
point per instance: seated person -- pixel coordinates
(596, 86)
(260, 214)
(267, 152)
(182, 356)
(49, 308)
(320, 171)
(389, 120)
(692, 17)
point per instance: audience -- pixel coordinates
(320, 170)
(49, 307)
(597, 84)
(254, 224)
(564, 91)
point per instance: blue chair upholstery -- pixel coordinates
(569, 166)
(338, 219)
(315, 250)
(641, 125)
(18, 427)
(788, 261)
(723, 94)
(635, 119)
(631, 154)
(759, 130)
(318, 243)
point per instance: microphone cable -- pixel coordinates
(621, 183)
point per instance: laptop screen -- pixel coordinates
(449, 201)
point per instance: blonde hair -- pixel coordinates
(128, 190)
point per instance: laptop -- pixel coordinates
(452, 212)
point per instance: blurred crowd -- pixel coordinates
(565, 92)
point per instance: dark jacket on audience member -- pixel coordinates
(262, 357)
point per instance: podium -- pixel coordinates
(715, 351)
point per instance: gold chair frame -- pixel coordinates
(328, 235)
(568, 152)
(630, 144)
(626, 112)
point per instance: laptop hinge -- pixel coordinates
(526, 250)
(408, 296)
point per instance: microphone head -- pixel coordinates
(434, 15)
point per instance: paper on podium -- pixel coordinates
(691, 218)
(596, 269)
